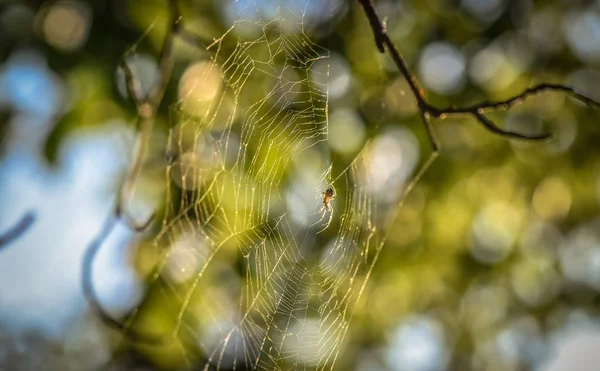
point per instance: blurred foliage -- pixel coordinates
(499, 235)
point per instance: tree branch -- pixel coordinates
(17, 230)
(90, 293)
(426, 109)
(147, 110)
(520, 98)
(132, 84)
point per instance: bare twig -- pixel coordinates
(427, 110)
(18, 229)
(147, 109)
(90, 293)
(132, 84)
(517, 99)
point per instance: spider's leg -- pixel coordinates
(319, 212)
(329, 221)
(324, 210)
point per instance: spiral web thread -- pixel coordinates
(249, 276)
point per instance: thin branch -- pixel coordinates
(489, 125)
(17, 230)
(435, 143)
(379, 31)
(520, 98)
(92, 298)
(132, 83)
(131, 223)
(166, 58)
(147, 109)
(381, 39)
(426, 109)
(191, 38)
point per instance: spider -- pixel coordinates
(328, 196)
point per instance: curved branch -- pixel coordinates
(520, 98)
(477, 110)
(132, 83)
(147, 110)
(129, 220)
(18, 229)
(489, 125)
(94, 301)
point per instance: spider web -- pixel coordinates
(252, 271)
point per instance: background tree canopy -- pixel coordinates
(166, 167)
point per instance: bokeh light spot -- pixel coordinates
(442, 68)
(418, 345)
(187, 254)
(582, 30)
(552, 199)
(346, 131)
(65, 25)
(199, 85)
(495, 230)
(485, 10)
